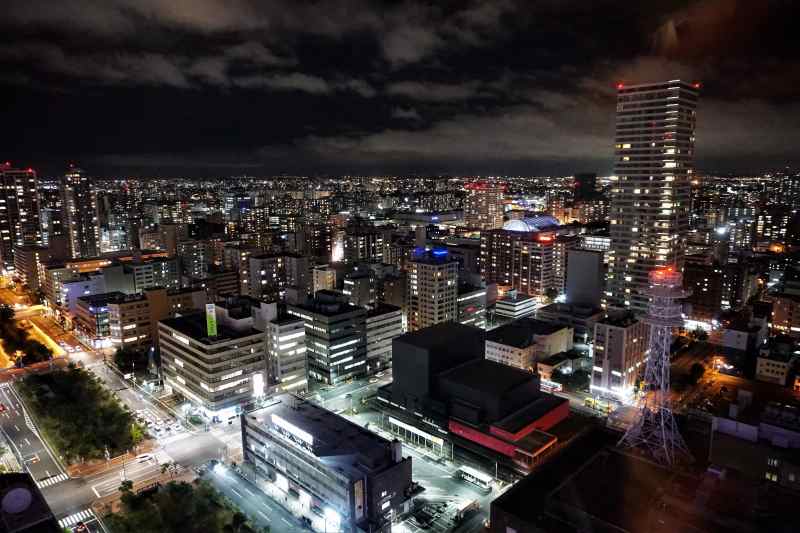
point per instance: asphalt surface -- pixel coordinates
(29, 447)
(261, 509)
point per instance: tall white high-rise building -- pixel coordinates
(483, 207)
(432, 289)
(654, 162)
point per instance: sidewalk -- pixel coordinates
(96, 466)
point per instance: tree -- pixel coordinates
(699, 334)
(128, 359)
(696, 372)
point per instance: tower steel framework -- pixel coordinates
(654, 430)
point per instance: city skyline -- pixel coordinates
(517, 88)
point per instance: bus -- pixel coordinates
(476, 478)
(550, 386)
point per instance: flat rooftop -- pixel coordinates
(620, 320)
(194, 326)
(488, 377)
(104, 298)
(333, 436)
(382, 309)
(437, 335)
(533, 411)
(522, 333)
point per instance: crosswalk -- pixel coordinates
(80, 516)
(51, 481)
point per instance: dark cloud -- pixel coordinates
(285, 85)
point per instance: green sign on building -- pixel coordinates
(211, 320)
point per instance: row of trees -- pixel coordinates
(178, 508)
(79, 416)
(21, 349)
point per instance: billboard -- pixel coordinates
(211, 320)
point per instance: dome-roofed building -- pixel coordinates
(537, 223)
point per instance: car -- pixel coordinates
(80, 527)
(143, 458)
(373, 380)
(2, 407)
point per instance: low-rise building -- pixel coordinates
(777, 360)
(217, 360)
(514, 305)
(620, 345)
(342, 474)
(580, 318)
(524, 342)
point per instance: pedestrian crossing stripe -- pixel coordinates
(80, 516)
(51, 480)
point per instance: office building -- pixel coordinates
(483, 206)
(472, 306)
(362, 243)
(195, 257)
(267, 276)
(580, 318)
(654, 163)
(218, 284)
(432, 289)
(620, 346)
(323, 278)
(81, 216)
(286, 355)
(336, 343)
(585, 278)
(29, 265)
(359, 288)
(515, 304)
(524, 342)
(217, 360)
(384, 324)
(345, 476)
(521, 255)
(19, 218)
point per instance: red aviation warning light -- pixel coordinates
(620, 86)
(697, 85)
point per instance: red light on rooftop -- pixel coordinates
(697, 85)
(30, 169)
(620, 86)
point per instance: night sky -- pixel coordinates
(230, 87)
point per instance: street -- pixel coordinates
(29, 447)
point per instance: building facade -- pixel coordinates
(620, 346)
(432, 290)
(483, 207)
(654, 164)
(19, 218)
(346, 477)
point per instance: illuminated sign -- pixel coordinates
(211, 320)
(292, 429)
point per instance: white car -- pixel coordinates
(143, 458)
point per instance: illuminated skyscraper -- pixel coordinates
(81, 217)
(483, 208)
(654, 162)
(432, 289)
(19, 212)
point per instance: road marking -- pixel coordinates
(250, 492)
(94, 489)
(47, 473)
(264, 516)
(80, 516)
(46, 482)
(17, 428)
(237, 493)
(287, 522)
(27, 441)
